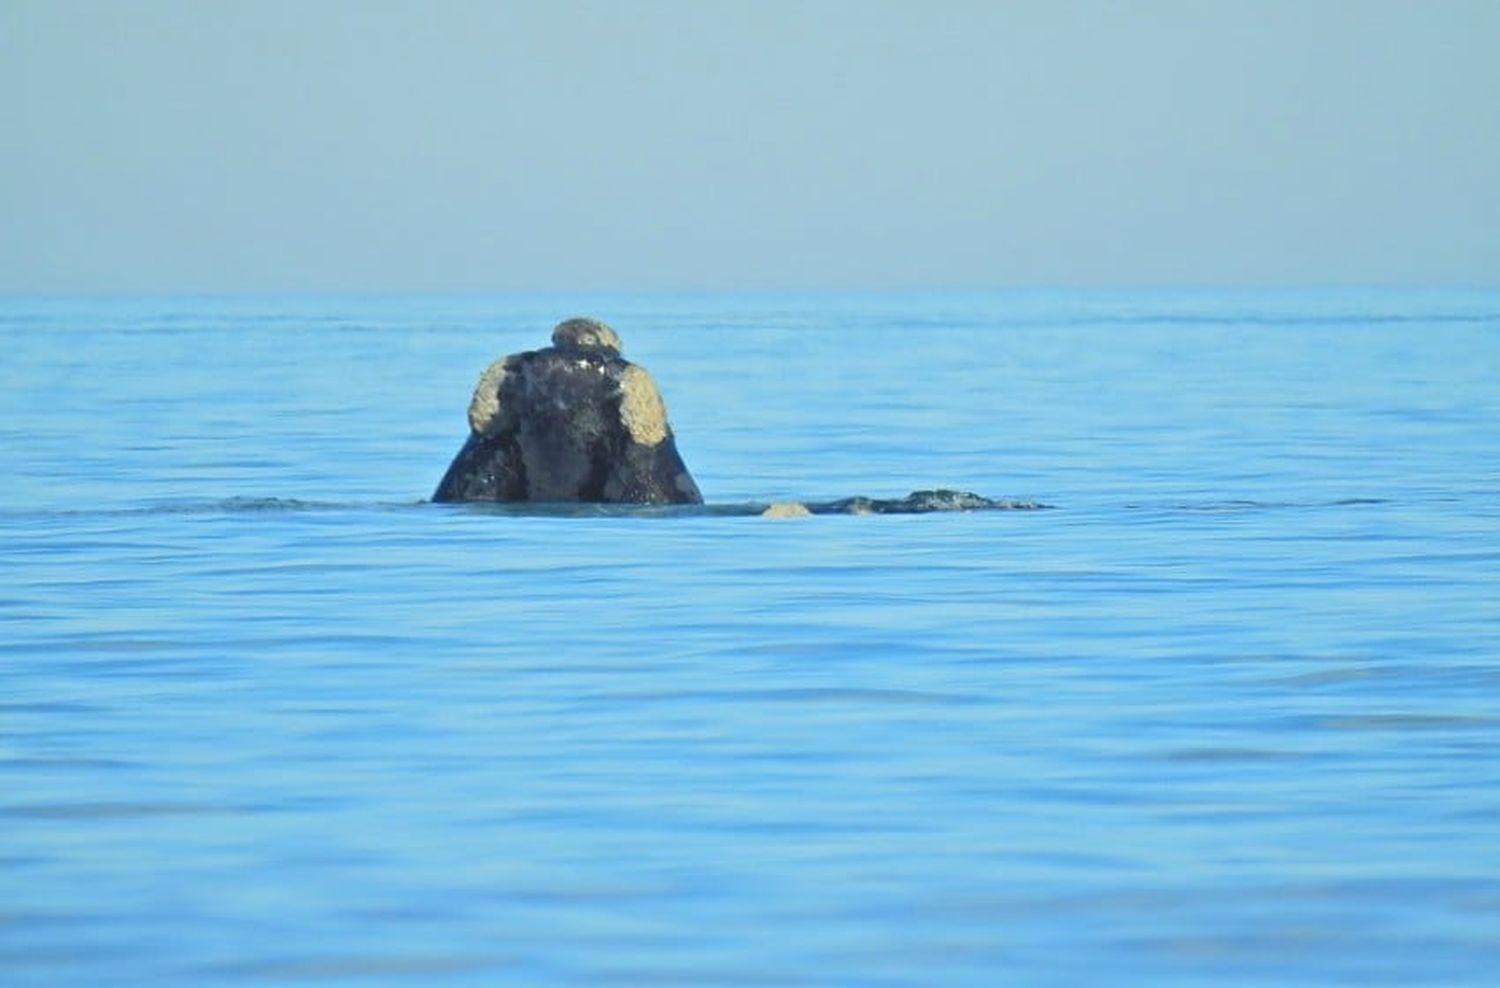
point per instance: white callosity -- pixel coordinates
(484, 407)
(585, 334)
(642, 411)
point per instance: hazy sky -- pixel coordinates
(377, 146)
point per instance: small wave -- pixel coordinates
(797, 695)
(218, 506)
(918, 502)
(1244, 505)
(522, 509)
(286, 505)
(1290, 320)
(105, 810)
(282, 506)
(236, 504)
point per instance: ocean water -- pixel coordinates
(1228, 712)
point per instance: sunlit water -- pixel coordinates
(1229, 712)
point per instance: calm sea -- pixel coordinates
(1229, 712)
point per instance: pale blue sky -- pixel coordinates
(377, 146)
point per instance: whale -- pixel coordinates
(576, 422)
(572, 422)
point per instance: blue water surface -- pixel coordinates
(1227, 713)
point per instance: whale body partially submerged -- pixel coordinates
(915, 503)
(577, 422)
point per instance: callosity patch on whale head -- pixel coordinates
(484, 407)
(641, 409)
(585, 334)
